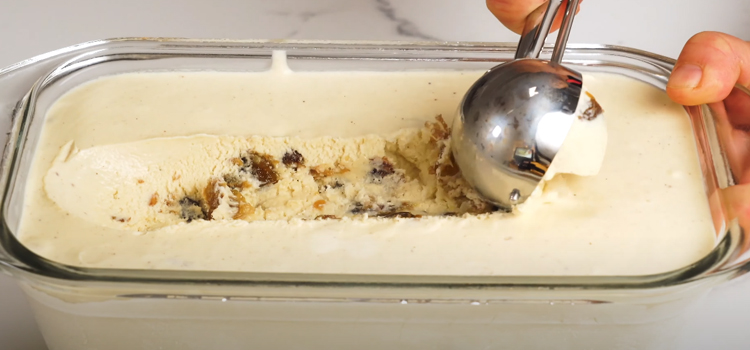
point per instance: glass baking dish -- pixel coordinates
(85, 308)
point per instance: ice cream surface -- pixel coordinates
(318, 172)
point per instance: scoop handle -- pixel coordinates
(536, 29)
(562, 36)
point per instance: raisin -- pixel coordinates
(235, 182)
(243, 211)
(359, 208)
(593, 110)
(261, 166)
(382, 167)
(211, 194)
(293, 159)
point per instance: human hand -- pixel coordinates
(513, 13)
(709, 66)
(708, 69)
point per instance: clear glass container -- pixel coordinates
(86, 308)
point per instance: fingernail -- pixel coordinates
(686, 76)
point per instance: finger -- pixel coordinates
(557, 23)
(738, 207)
(737, 107)
(735, 142)
(737, 112)
(708, 67)
(513, 13)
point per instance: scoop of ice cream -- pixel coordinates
(581, 154)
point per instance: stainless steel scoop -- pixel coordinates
(513, 120)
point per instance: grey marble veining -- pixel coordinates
(658, 26)
(404, 26)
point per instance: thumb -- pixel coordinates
(709, 66)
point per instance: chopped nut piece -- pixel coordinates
(440, 129)
(154, 199)
(115, 218)
(319, 204)
(322, 171)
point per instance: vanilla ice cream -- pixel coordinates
(350, 172)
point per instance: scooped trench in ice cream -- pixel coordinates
(149, 184)
(153, 183)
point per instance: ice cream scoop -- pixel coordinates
(514, 119)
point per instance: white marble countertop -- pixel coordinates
(32, 27)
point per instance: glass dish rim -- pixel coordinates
(18, 258)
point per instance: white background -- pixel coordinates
(31, 27)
